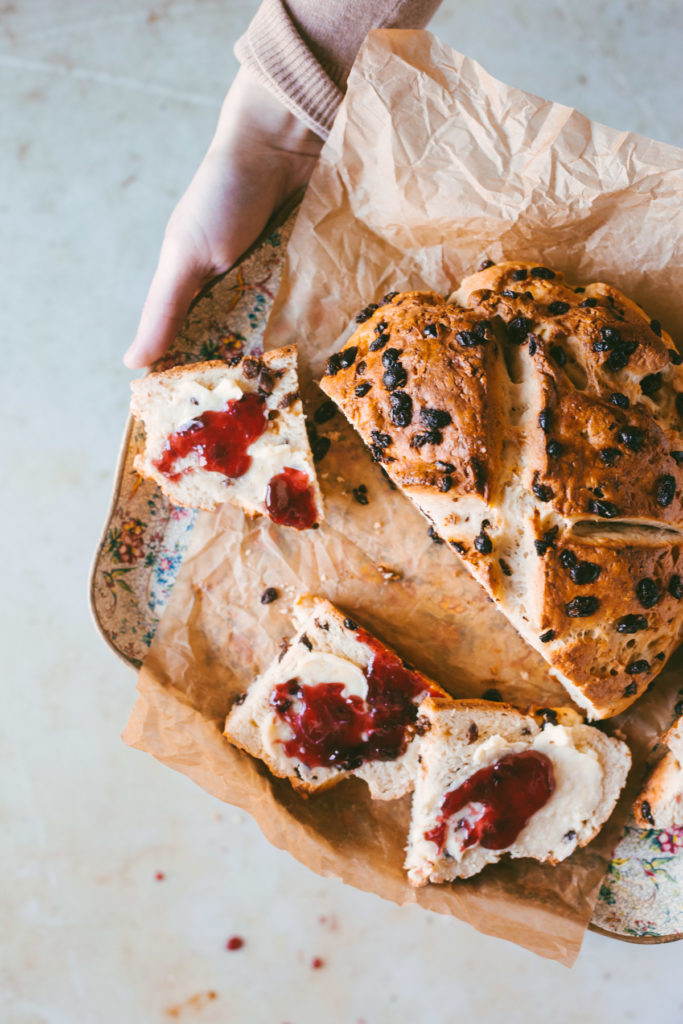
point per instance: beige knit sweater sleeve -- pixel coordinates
(303, 50)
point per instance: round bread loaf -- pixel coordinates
(537, 426)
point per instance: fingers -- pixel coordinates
(176, 281)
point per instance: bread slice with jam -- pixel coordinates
(335, 703)
(493, 781)
(230, 433)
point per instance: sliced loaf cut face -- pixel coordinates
(219, 433)
(492, 782)
(660, 803)
(335, 704)
(539, 428)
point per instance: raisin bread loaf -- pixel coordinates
(492, 782)
(217, 432)
(336, 703)
(660, 803)
(537, 426)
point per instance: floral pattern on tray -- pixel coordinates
(146, 537)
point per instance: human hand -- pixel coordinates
(260, 155)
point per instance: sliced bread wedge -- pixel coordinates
(336, 703)
(491, 781)
(217, 433)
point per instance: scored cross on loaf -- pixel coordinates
(537, 426)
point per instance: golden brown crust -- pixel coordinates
(561, 412)
(636, 623)
(414, 337)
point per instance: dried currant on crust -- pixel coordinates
(366, 313)
(394, 377)
(545, 273)
(582, 607)
(584, 572)
(604, 509)
(632, 438)
(379, 342)
(636, 668)
(567, 559)
(630, 623)
(651, 384)
(518, 330)
(541, 491)
(401, 409)
(666, 490)
(647, 592)
(435, 419)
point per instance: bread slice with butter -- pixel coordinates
(336, 703)
(660, 803)
(230, 433)
(492, 781)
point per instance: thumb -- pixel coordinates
(176, 281)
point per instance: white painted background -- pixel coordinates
(106, 110)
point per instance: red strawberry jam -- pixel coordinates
(220, 437)
(290, 500)
(511, 790)
(333, 730)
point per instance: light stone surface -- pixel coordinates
(107, 110)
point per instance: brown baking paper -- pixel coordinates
(431, 166)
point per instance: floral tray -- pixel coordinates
(145, 538)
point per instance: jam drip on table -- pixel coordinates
(290, 500)
(221, 437)
(334, 730)
(511, 790)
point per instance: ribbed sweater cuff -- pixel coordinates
(273, 50)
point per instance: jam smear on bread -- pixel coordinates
(334, 729)
(221, 438)
(509, 791)
(290, 500)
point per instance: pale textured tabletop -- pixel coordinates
(122, 881)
